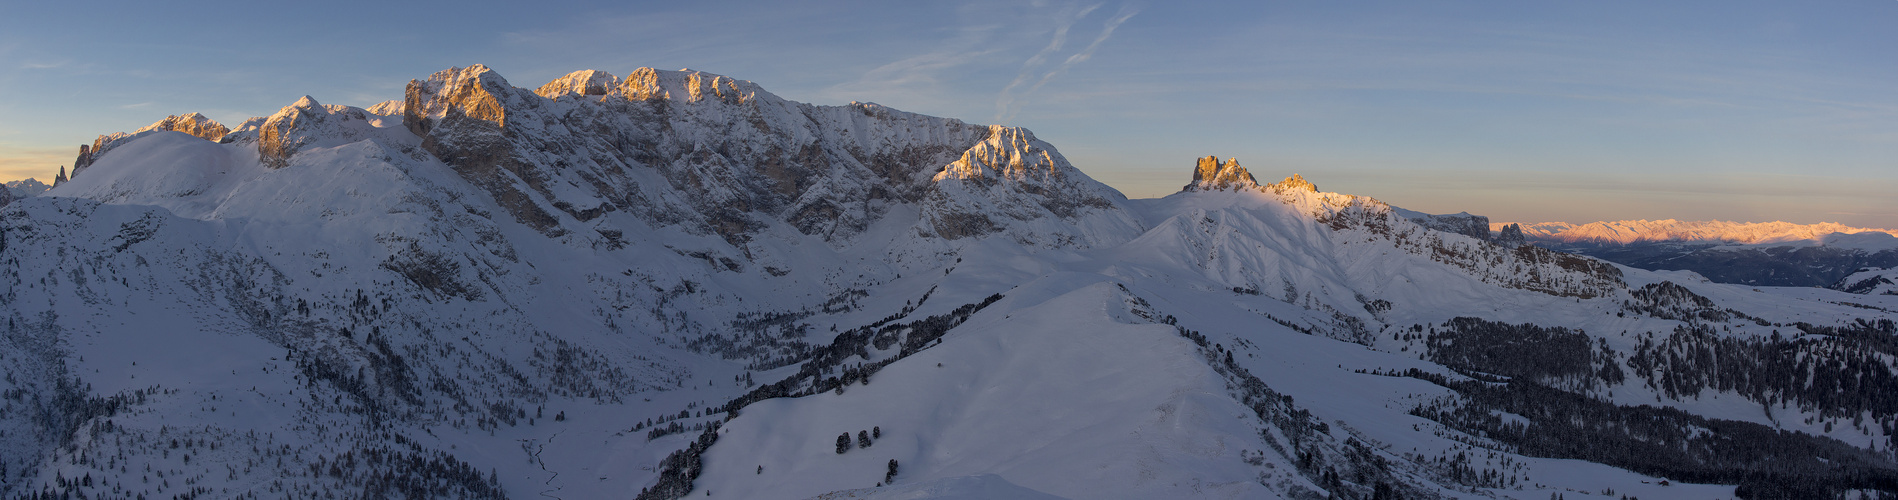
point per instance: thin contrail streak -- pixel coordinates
(1107, 30)
(1063, 22)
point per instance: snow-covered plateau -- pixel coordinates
(674, 283)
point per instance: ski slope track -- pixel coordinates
(673, 283)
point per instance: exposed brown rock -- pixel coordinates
(1214, 175)
(579, 83)
(1294, 183)
(194, 124)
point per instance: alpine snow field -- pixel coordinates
(675, 284)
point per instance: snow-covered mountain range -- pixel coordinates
(1773, 253)
(675, 283)
(1670, 230)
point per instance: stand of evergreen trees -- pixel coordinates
(1550, 355)
(1766, 462)
(1837, 372)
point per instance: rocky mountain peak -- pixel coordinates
(472, 92)
(1214, 175)
(586, 82)
(303, 123)
(1294, 183)
(1008, 153)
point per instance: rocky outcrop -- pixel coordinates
(1511, 236)
(194, 124)
(579, 83)
(191, 123)
(1464, 223)
(1294, 183)
(1214, 175)
(300, 124)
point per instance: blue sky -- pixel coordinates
(1528, 111)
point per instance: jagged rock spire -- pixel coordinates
(1214, 175)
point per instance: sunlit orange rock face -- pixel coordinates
(1214, 175)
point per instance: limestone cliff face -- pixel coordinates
(706, 154)
(579, 83)
(711, 153)
(1214, 175)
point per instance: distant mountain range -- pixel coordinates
(1690, 232)
(1770, 253)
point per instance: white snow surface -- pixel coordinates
(522, 303)
(977, 487)
(1870, 281)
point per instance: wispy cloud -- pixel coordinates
(1006, 105)
(967, 46)
(1005, 102)
(146, 104)
(1107, 30)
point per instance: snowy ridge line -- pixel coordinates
(682, 467)
(1294, 432)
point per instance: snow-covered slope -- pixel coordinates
(1870, 281)
(675, 283)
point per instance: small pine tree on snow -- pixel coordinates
(876, 432)
(890, 477)
(863, 439)
(843, 443)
